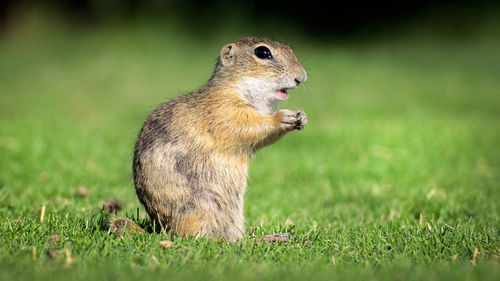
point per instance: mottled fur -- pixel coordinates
(191, 156)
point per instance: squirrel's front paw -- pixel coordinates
(291, 120)
(301, 119)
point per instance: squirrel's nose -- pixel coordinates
(301, 77)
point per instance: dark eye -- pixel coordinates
(262, 52)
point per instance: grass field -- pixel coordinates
(396, 176)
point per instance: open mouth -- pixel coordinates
(282, 94)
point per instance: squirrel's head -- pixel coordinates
(262, 70)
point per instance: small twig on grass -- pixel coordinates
(476, 251)
(333, 260)
(69, 260)
(448, 225)
(42, 213)
(421, 220)
(34, 253)
(155, 260)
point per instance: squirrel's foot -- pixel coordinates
(278, 237)
(293, 120)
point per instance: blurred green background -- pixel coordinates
(403, 102)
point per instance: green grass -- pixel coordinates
(397, 128)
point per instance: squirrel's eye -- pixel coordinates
(262, 52)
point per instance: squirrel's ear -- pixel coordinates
(227, 54)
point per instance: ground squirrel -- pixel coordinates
(191, 156)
